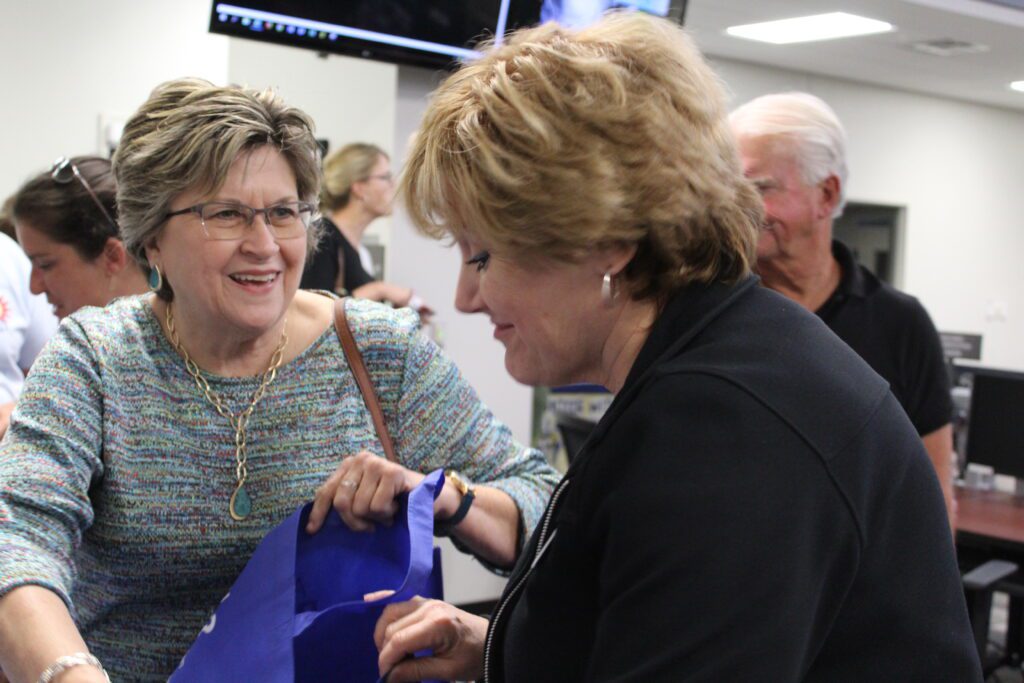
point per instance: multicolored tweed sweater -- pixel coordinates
(116, 473)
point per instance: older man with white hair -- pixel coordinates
(793, 148)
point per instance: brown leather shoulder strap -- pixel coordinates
(359, 371)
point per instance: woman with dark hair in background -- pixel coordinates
(66, 221)
(358, 189)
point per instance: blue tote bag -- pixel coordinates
(296, 613)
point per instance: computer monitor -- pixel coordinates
(574, 431)
(430, 33)
(995, 423)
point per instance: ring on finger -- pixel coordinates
(350, 483)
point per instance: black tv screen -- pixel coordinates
(431, 33)
(995, 425)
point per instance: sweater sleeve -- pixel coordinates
(717, 539)
(439, 421)
(49, 459)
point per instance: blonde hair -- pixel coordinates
(813, 131)
(342, 169)
(559, 141)
(186, 136)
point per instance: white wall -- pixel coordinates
(65, 63)
(957, 169)
(351, 100)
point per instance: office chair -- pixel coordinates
(979, 586)
(574, 431)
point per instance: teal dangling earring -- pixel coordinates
(156, 280)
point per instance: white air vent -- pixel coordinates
(948, 47)
(1016, 4)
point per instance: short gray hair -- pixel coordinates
(187, 135)
(817, 137)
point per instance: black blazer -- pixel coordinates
(755, 505)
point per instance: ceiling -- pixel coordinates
(889, 58)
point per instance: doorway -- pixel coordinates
(871, 231)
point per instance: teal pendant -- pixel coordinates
(240, 504)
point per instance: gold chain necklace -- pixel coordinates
(240, 504)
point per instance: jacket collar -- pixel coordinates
(685, 316)
(852, 282)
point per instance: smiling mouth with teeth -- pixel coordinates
(254, 278)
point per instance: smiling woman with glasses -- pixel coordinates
(358, 189)
(65, 222)
(159, 439)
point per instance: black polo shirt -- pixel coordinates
(894, 334)
(334, 256)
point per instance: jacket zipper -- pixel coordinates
(489, 642)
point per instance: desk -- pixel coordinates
(990, 526)
(990, 518)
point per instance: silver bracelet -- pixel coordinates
(70, 661)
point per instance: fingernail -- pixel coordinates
(378, 595)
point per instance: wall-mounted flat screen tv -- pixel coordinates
(430, 33)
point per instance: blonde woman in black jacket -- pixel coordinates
(754, 505)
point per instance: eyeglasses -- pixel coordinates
(230, 220)
(63, 170)
(386, 177)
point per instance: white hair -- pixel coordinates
(811, 127)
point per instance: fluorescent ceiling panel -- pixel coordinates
(806, 29)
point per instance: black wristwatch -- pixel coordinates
(445, 527)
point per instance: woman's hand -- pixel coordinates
(455, 637)
(396, 295)
(363, 490)
(5, 419)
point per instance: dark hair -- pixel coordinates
(65, 212)
(6, 222)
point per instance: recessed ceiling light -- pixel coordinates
(1018, 86)
(806, 29)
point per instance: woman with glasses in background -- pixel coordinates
(358, 189)
(159, 439)
(66, 221)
